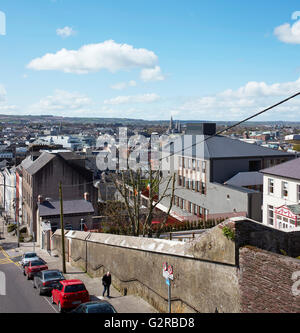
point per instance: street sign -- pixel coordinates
(168, 271)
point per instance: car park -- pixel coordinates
(95, 307)
(68, 294)
(33, 267)
(46, 280)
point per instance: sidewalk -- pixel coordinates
(123, 304)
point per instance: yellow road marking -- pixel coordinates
(8, 257)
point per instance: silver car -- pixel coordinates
(27, 257)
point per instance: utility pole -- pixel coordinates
(62, 229)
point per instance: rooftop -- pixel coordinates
(51, 208)
(290, 169)
(210, 147)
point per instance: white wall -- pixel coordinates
(276, 198)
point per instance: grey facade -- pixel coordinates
(203, 163)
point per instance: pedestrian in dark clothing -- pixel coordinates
(106, 281)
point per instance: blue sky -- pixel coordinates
(193, 59)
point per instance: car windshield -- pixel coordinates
(52, 275)
(37, 263)
(100, 308)
(73, 288)
(30, 255)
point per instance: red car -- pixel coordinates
(33, 267)
(68, 294)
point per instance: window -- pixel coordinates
(270, 215)
(193, 185)
(180, 180)
(270, 186)
(195, 209)
(189, 207)
(194, 164)
(285, 186)
(203, 166)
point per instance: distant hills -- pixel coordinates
(19, 119)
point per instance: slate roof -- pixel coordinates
(210, 147)
(50, 208)
(246, 179)
(290, 169)
(33, 167)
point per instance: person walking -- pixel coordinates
(106, 281)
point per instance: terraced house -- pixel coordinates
(41, 175)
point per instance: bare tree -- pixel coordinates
(131, 186)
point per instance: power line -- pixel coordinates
(232, 126)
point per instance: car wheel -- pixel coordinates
(40, 292)
(52, 300)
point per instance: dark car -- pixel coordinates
(45, 281)
(95, 307)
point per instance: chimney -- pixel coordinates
(40, 199)
(86, 196)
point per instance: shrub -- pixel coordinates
(228, 232)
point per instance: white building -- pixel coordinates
(281, 198)
(8, 191)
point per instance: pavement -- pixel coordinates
(10, 255)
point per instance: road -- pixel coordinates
(20, 296)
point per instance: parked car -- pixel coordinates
(33, 267)
(46, 280)
(95, 307)
(68, 294)
(27, 257)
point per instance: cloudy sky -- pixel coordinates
(193, 59)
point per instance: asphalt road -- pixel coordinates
(20, 296)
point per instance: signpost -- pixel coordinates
(168, 275)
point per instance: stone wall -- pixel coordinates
(268, 282)
(202, 282)
(211, 272)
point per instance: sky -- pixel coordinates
(190, 59)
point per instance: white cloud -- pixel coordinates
(123, 85)
(152, 74)
(108, 55)
(245, 101)
(65, 32)
(145, 98)
(289, 33)
(63, 101)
